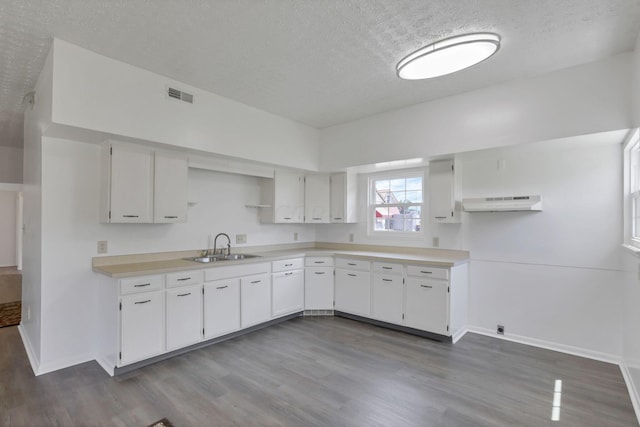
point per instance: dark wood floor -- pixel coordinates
(322, 372)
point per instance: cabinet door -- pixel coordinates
(387, 293)
(318, 288)
(255, 299)
(353, 292)
(344, 197)
(317, 198)
(288, 201)
(221, 307)
(142, 327)
(442, 187)
(131, 184)
(170, 192)
(427, 305)
(288, 292)
(184, 316)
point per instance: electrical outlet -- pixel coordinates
(435, 242)
(241, 238)
(295, 235)
(102, 246)
(500, 330)
(350, 237)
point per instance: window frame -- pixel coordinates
(371, 205)
(631, 188)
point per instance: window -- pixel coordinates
(396, 203)
(632, 191)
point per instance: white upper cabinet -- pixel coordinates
(142, 186)
(343, 198)
(170, 195)
(317, 198)
(284, 196)
(444, 186)
(127, 184)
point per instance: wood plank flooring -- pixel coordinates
(322, 372)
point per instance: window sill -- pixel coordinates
(633, 249)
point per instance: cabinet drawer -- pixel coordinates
(184, 278)
(431, 272)
(227, 271)
(319, 261)
(287, 265)
(387, 268)
(353, 264)
(134, 285)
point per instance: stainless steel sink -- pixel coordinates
(221, 257)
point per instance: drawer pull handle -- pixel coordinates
(287, 217)
(316, 219)
(289, 273)
(130, 216)
(222, 287)
(142, 285)
(171, 216)
(319, 272)
(387, 280)
(426, 286)
(387, 268)
(288, 265)
(351, 274)
(426, 272)
(184, 278)
(142, 302)
(256, 281)
(318, 262)
(351, 263)
(337, 218)
(441, 217)
(184, 295)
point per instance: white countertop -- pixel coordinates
(431, 257)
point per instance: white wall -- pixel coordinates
(552, 276)
(11, 164)
(70, 231)
(635, 84)
(34, 122)
(100, 94)
(576, 101)
(8, 228)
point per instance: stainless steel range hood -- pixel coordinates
(503, 204)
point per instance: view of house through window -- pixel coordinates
(396, 203)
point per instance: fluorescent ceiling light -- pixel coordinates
(448, 56)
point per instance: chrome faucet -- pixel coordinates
(215, 242)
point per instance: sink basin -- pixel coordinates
(220, 257)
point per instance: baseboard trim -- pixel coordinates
(68, 362)
(459, 334)
(631, 388)
(549, 345)
(31, 355)
(106, 365)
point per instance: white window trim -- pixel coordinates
(402, 235)
(632, 142)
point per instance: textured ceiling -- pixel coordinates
(320, 62)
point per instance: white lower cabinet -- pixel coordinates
(142, 326)
(255, 299)
(288, 292)
(427, 305)
(387, 298)
(353, 287)
(221, 307)
(184, 316)
(318, 283)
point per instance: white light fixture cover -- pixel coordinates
(448, 56)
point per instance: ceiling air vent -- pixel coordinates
(178, 94)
